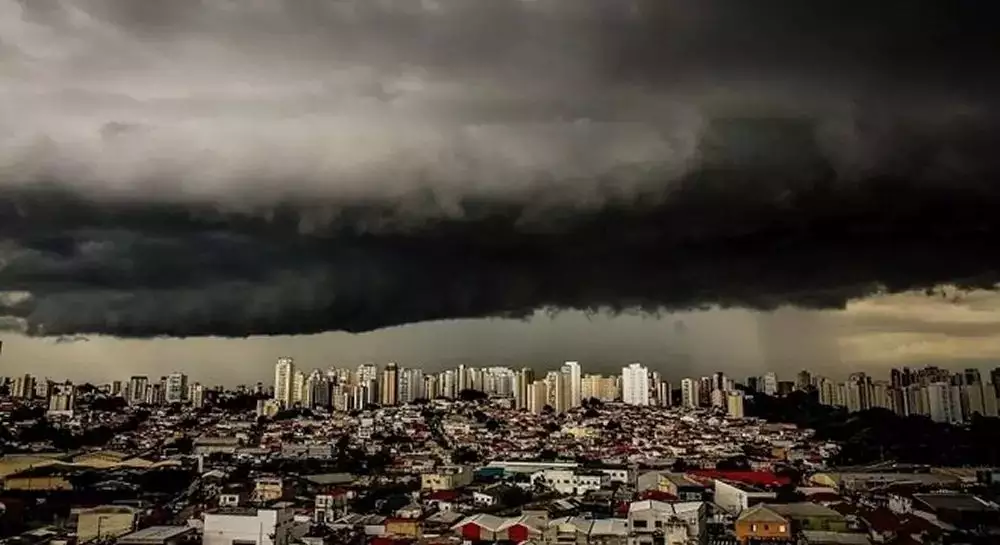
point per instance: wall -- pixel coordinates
(223, 529)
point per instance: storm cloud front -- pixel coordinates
(249, 167)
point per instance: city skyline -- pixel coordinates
(942, 395)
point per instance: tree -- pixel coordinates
(472, 395)
(492, 425)
(733, 463)
(464, 455)
(547, 455)
(548, 409)
(679, 466)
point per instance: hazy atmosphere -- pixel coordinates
(204, 185)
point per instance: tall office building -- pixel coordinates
(635, 384)
(689, 393)
(390, 385)
(176, 388)
(284, 373)
(571, 372)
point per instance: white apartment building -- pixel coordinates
(284, 372)
(635, 385)
(573, 378)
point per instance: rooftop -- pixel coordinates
(155, 534)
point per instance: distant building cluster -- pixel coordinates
(557, 390)
(934, 392)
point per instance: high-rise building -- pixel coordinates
(197, 395)
(803, 381)
(525, 378)
(298, 387)
(941, 403)
(284, 373)
(24, 387)
(62, 399)
(137, 389)
(411, 385)
(734, 405)
(176, 388)
(316, 390)
(599, 387)
(573, 378)
(556, 394)
(537, 396)
(664, 395)
(689, 393)
(770, 384)
(390, 385)
(635, 384)
(116, 388)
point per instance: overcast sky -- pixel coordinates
(871, 336)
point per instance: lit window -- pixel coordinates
(781, 528)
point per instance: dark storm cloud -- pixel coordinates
(263, 167)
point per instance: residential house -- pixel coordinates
(651, 521)
(806, 516)
(483, 527)
(446, 478)
(736, 497)
(761, 523)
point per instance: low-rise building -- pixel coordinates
(248, 526)
(446, 478)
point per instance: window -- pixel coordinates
(753, 527)
(766, 527)
(781, 528)
(658, 524)
(639, 524)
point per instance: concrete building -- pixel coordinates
(736, 497)
(734, 405)
(678, 523)
(689, 393)
(389, 388)
(573, 378)
(284, 370)
(635, 385)
(248, 526)
(177, 388)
